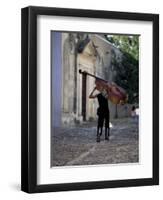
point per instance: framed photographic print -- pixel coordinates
(90, 99)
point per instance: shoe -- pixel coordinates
(98, 139)
(106, 138)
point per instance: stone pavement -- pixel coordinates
(76, 145)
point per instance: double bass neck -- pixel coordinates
(86, 73)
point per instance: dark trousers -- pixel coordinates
(103, 119)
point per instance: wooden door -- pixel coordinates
(84, 92)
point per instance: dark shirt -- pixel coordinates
(103, 104)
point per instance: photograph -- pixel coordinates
(94, 98)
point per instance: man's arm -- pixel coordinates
(92, 96)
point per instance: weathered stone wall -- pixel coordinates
(68, 57)
(121, 110)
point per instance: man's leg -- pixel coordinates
(107, 127)
(98, 134)
(106, 133)
(99, 127)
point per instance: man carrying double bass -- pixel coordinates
(102, 111)
(107, 91)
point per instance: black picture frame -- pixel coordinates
(29, 98)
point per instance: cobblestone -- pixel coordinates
(76, 145)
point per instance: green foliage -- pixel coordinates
(127, 44)
(127, 66)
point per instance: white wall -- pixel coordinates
(10, 80)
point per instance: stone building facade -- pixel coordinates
(88, 52)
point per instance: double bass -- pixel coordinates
(111, 91)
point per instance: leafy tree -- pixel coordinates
(127, 65)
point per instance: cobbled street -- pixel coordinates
(76, 145)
